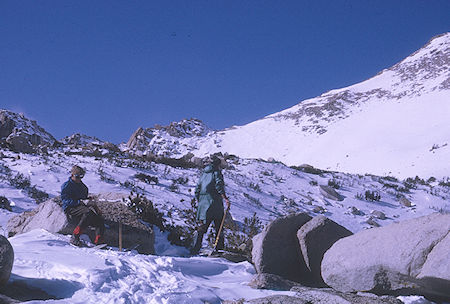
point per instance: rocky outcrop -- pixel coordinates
(50, 216)
(315, 238)
(403, 258)
(138, 140)
(22, 134)
(6, 260)
(276, 249)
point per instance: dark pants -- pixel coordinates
(201, 230)
(84, 216)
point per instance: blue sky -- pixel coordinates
(104, 68)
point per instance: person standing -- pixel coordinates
(210, 193)
(73, 192)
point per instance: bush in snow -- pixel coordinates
(372, 196)
(173, 187)
(333, 183)
(148, 179)
(239, 238)
(313, 183)
(36, 194)
(145, 210)
(181, 180)
(5, 203)
(415, 181)
(445, 182)
(255, 187)
(132, 186)
(20, 181)
(183, 235)
(105, 177)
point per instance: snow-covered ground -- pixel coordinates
(85, 275)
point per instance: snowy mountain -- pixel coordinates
(395, 123)
(392, 124)
(165, 140)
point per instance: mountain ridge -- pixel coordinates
(297, 135)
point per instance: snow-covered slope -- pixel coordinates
(396, 123)
(47, 262)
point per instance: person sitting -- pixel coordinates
(73, 192)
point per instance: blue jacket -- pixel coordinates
(72, 192)
(208, 193)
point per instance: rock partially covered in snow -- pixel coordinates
(393, 259)
(48, 215)
(162, 139)
(51, 217)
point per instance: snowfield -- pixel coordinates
(86, 275)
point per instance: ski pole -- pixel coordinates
(220, 230)
(120, 236)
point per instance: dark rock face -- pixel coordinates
(6, 260)
(276, 250)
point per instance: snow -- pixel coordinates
(86, 275)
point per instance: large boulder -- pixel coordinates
(276, 249)
(395, 259)
(437, 264)
(50, 216)
(6, 260)
(316, 237)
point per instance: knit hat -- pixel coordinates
(77, 170)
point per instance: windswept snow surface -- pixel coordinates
(86, 275)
